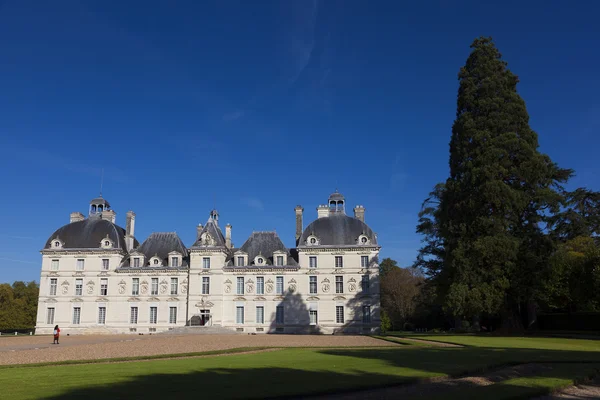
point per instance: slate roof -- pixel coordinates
(214, 231)
(88, 234)
(161, 244)
(337, 229)
(265, 244)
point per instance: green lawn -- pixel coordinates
(302, 371)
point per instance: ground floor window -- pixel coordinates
(101, 315)
(76, 315)
(339, 314)
(172, 315)
(134, 315)
(279, 315)
(239, 315)
(50, 315)
(260, 315)
(366, 314)
(153, 314)
(313, 317)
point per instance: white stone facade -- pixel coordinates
(329, 283)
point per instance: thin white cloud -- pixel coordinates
(254, 203)
(18, 237)
(19, 261)
(232, 116)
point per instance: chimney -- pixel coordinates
(199, 231)
(228, 236)
(299, 210)
(359, 213)
(109, 215)
(129, 230)
(322, 211)
(77, 216)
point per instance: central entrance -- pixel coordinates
(201, 319)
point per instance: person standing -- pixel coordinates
(56, 334)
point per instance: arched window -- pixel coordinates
(155, 261)
(100, 208)
(56, 244)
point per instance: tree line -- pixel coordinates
(503, 239)
(18, 305)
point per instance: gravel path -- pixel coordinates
(589, 390)
(37, 349)
(439, 385)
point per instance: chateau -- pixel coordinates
(97, 278)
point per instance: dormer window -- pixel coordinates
(155, 262)
(280, 258)
(136, 262)
(363, 240)
(312, 240)
(174, 261)
(106, 243)
(240, 261)
(259, 260)
(56, 243)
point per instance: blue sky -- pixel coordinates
(256, 107)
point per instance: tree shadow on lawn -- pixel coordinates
(399, 366)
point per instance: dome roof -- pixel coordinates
(337, 230)
(88, 234)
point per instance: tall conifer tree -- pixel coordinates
(485, 238)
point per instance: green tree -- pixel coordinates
(573, 281)
(484, 227)
(18, 305)
(387, 265)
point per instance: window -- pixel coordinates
(313, 317)
(174, 261)
(312, 261)
(365, 283)
(240, 285)
(133, 315)
(279, 315)
(135, 287)
(240, 261)
(339, 284)
(78, 287)
(174, 283)
(260, 315)
(56, 244)
(155, 262)
(50, 315)
(154, 289)
(260, 260)
(76, 315)
(364, 240)
(80, 264)
(313, 241)
(279, 285)
(106, 243)
(53, 284)
(103, 286)
(205, 285)
(339, 262)
(101, 315)
(279, 260)
(364, 261)
(54, 265)
(172, 315)
(136, 262)
(105, 264)
(206, 262)
(366, 314)
(339, 314)
(260, 285)
(312, 284)
(153, 314)
(239, 315)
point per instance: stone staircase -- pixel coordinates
(199, 330)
